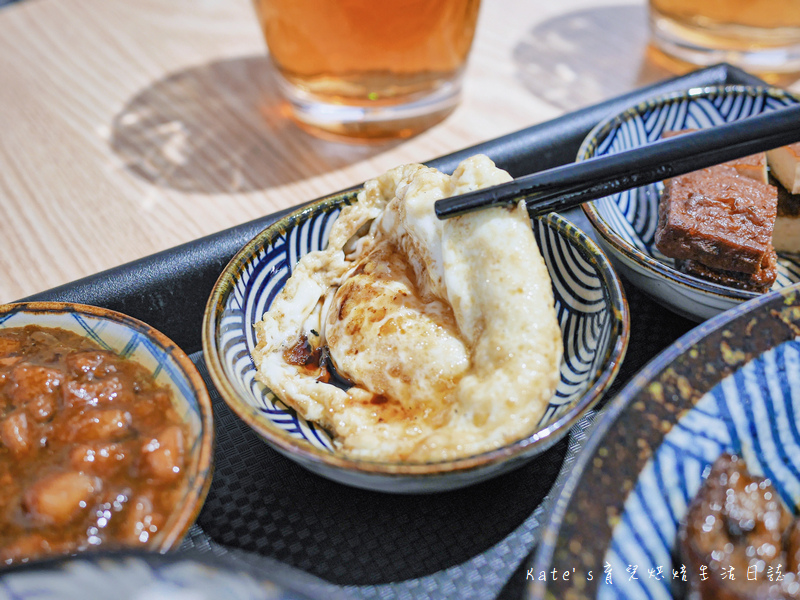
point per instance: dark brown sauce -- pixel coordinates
(302, 354)
(91, 449)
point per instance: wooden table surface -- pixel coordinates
(132, 126)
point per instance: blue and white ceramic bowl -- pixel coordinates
(730, 385)
(591, 309)
(170, 367)
(626, 222)
(133, 575)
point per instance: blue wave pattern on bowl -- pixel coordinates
(582, 312)
(582, 306)
(633, 214)
(111, 578)
(755, 412)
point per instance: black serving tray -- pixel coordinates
(269, 513)
(169, 290)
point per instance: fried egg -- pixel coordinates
(445, 331)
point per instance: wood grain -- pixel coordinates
(132, 126)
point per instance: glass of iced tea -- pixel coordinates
(762, 36)
(369, 68)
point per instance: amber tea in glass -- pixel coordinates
(369, 68)
(758, 35)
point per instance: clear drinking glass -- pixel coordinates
(761, 36)
(369, 68)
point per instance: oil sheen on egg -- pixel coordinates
(385, 337)
(446, 329)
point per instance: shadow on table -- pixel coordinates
(583, 57)
(221, 128)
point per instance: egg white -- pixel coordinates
(447, 329)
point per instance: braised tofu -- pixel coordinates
(753, 167)
(718, 218)
(784, 164)
(786, 236)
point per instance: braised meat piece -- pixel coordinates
(793, 547)
(92, 449)
(735, 528)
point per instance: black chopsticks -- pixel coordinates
(570, 185)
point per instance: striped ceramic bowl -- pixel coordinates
(182, 575)
(626, 222)
(718, 389)
(591, 309)
(169, 366)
